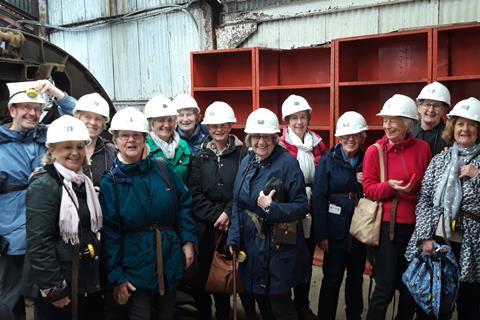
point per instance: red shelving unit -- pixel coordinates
(370, 69)
(305, 72)
(456, 56)
(225, 75)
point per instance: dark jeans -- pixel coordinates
(276, 307)
(341, 255)
(389, 265)
(146, 305)
(302, 290)
(11, 300)
(89, 308)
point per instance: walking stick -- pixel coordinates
(235, 285)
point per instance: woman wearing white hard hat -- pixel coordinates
(449, 206)
(149, 232)
(211, 183)
(162, 139)
(406, 160)
(337, 188)
(63, 227)
(93, 110)
(188, 120)
(269, 203)
(433, 103)
(307, 147)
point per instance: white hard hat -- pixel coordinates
(93, 102)
(160, 106)
(350, 122)
(185, 101)
(294, 104)
(219, 112)
(129, 119)
(401, 106)
(67, 128)
(468, 108)
(435, 91)
(262, 121)
(25, 91)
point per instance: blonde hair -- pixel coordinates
(48, 157)
(79, 113)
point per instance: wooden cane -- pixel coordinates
(235, 285)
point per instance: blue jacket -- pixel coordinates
(20, 153)
(144, 200)
(334, 179)
(288, 263)
(199, 136)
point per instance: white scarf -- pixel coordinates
(69, 218)
(305, 157)
(167, 148)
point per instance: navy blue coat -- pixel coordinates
(288, 263)
(333, 176)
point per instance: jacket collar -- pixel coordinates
(39, 134)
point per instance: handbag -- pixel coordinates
(285, 233)
(220, 278)
(367, 216)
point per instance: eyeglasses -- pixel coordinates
(354, 136)
(265, 137)
(427, 105)
(126, 136)
(29, 108)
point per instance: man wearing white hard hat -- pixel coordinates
(433, 103)
(406, 160)
(188, 121)
(93, 110)
(22, 145)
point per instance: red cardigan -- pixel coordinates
(404, 159)
(318, 150)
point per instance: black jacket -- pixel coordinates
(48, 257)
(101, 160)
(211, 182)
(433, 136)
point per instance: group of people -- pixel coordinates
(106, 230)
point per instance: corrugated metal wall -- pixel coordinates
(27, 6)
(132, 60)
(307, 23)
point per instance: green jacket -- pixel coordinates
(181, 160)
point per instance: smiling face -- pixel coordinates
(395, 128)
(465, 132)
(130, 145)
(298, 123)
(187, 119)
(262, 145)
(94, 122)
(351, 143)
(431, 112)
(164, 127)
(70, 154)
(25, 115)
(220, 132)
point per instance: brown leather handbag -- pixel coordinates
(220, 279)
(367, 217)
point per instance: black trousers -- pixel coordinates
(145, 305)
(89, 308)
(341, 255)
(11, 299)
(389, 265)
(276, 307)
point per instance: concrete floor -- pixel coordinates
(187, 312)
